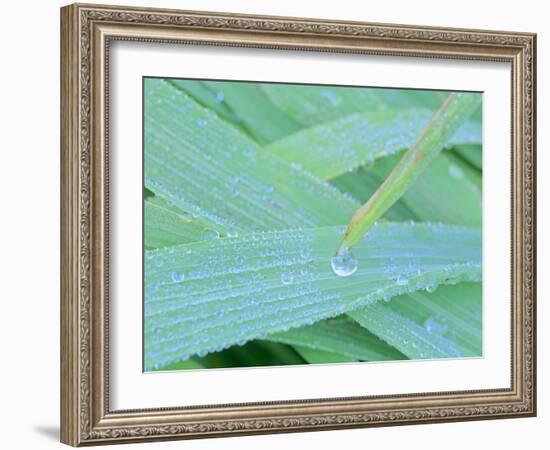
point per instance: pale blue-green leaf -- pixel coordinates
(188, 364)
(445, 323)
(199, 92)
(471, 154)
(314, 104)
(342, 336)
(254, 110)
(313, 356)
(164, 227)
(448, 191)
(205, 296)
(244, 105)
(209, 169)
(333, 148)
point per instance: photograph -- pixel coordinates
(295, 224)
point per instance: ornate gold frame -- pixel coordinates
(86, 31)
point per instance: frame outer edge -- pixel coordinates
(82, 415)
(70, 299)
(533, 224)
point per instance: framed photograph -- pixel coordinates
(277, 224)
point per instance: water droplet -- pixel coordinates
(219, 97)
(331, 96)
(201, 122)
(431, 286)
(202, 353)
(239, 260)
(343, 262)
(177, 277)
(401, 280)
(455, 172)
(211, 234)
(349, 197)
(286, 278)
(432, 325)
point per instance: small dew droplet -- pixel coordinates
(455, 172)
(402, 280)
(343, 262)
(286, 278)
(431, 286)
(432, 325)
(211, 234)
(177, 277)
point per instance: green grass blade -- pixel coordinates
(311, 105)
(244, 105)
(252, 354)
(212, 100)
(188, 364)
(447, 182)
(472, 154)
(263, 121)
(211, 170)
(164, 227)
(444, 124)
(333, 148)
(208, 295)
(340, 336)
(313, 356)
(445, 323)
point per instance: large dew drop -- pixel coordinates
(343, 262)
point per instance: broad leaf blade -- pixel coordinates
(448, 119)
(472, 154)
(259, 116)
(164, 227)
(212, 100)
(448, 191)
(340, 336)
(311, 105)
(445, 323)
(205, 296)
(313, 356)
(333, 148)
(212, 171)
